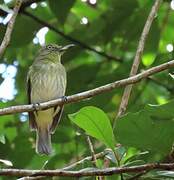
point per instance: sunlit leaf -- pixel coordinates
(96, 123)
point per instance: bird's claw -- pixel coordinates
(36, 106)
(64, 98)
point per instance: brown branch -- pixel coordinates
(87, 172)
(137, 59)
(10, 26)
(89, 93)
(71, 166)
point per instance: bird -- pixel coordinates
(46, 80)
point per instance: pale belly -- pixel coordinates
(47, 86)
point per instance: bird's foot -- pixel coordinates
(64, 98)
(36, 106)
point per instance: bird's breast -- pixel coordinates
(48, 83)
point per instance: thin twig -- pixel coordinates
(87, 172)
(91, 147)
(137, 59)
(89, 158)
(89, 93)
(94, 159)
(7, 36)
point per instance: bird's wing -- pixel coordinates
(56, 118)
(32, 122)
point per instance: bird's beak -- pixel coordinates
(64, 48)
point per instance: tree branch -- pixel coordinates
(71, 166)
(137, 59)
(10, 26)
(89, 93)
(87, 172)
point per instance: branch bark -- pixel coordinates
(89, 93)
(71, 166)
(87, 172)
(137, 59)
(7, 36)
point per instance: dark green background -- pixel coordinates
(114, 27)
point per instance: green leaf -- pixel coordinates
(150, 129)
(10, 133)
(61, 8)
(96, 123)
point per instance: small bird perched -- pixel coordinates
(46, 81)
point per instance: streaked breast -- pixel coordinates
(48, 83)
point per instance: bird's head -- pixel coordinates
(53, 51)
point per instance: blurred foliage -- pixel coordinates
(112, 26)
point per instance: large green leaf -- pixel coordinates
(96, 123)
(61, 8)
(151, 129)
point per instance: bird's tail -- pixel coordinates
(43, 141)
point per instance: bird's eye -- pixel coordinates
(49, 47)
